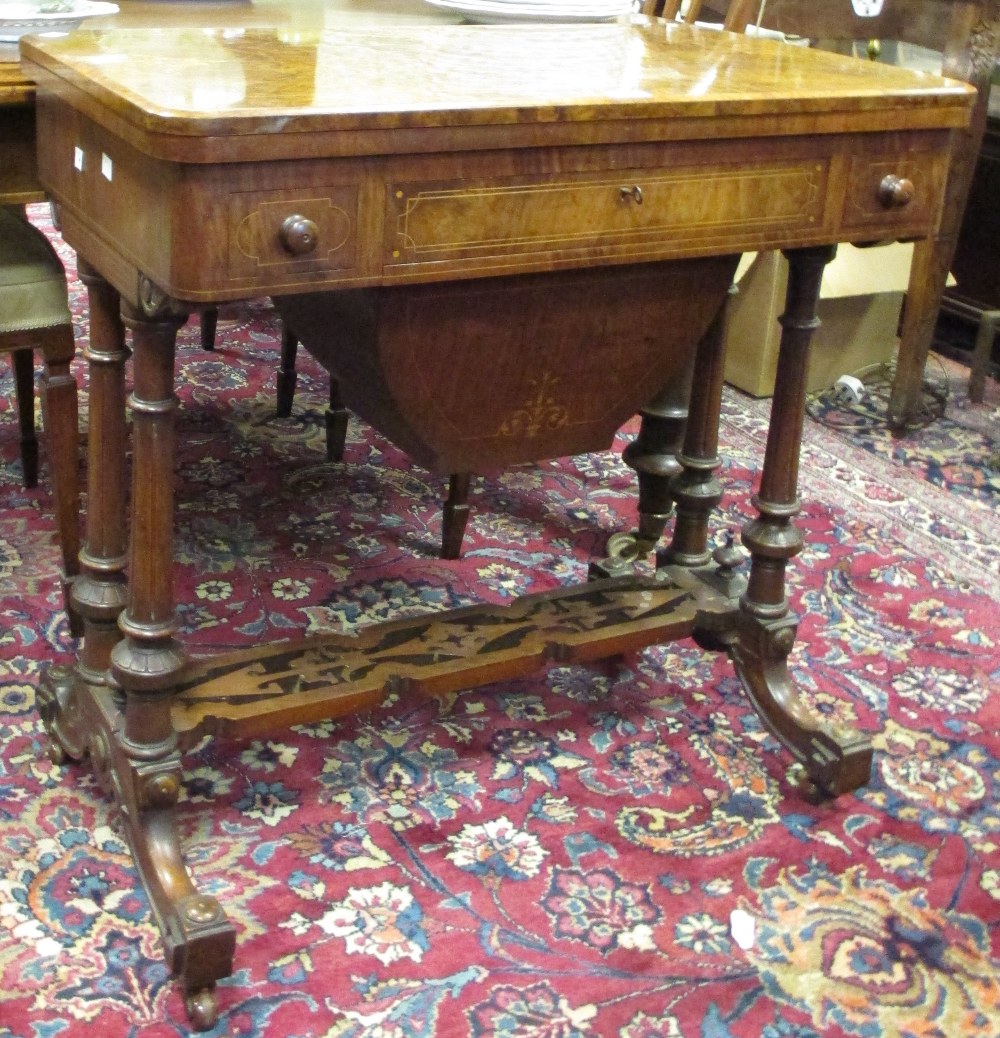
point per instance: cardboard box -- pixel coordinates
(860, 302)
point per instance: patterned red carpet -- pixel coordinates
(553, 858)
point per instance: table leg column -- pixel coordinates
(653, 456)
(99, 593)
(695, 489)
(198, 938)
(835, 761)
(62, 442)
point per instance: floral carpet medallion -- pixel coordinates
(872, 958)
(554, 857)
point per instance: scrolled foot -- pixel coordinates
(835, 760)
(203, 1008)
(199, 940)
(58, 704)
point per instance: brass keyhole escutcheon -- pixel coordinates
(895, 192)
(631, 194)
(298, 235)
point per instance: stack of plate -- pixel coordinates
(495, 12)
(22, 17)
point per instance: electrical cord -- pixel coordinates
(860, 401)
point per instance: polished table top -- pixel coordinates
(294, 16)
(18, 177)
(346, 62)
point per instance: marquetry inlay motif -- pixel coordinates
(541, 412)
(434, 655)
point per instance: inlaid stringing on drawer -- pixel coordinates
(261, 238)
(869, 203)
(439, 221)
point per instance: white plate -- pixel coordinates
(502, 12)
(580, 7)
(19, 19)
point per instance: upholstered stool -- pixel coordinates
(34, 315)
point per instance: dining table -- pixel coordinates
(504, 239)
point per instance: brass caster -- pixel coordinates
(624, 550)
(813, 793)
(628, 547)
(203, 1008)
(55, 752)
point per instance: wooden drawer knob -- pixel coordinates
(895, 192)
(298, 235)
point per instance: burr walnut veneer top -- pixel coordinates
(337, 90)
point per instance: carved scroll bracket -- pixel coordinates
(156, 304)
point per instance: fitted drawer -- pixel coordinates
(895, 193)
(639, 211)
(294, 232)
(242, 229)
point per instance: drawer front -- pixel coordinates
(894, 194)
(635, 211)
(294, 233)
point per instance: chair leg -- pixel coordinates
(336, 424)
(209, 322)
(23, 363)
(336, 415)
(928, 273)
(989, 326)
(286, 373)
(60, 416)
(456, 515)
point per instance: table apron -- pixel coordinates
(207, 233)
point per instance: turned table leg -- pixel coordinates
(653, 456)
(145, 664)
(695, 488)
(99, 593)
(835, 761)
(60, 412)
(115, 705)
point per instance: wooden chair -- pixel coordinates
(336, 415)
(736, 15)
(455, 513)
(34, 315)
(966, 33)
